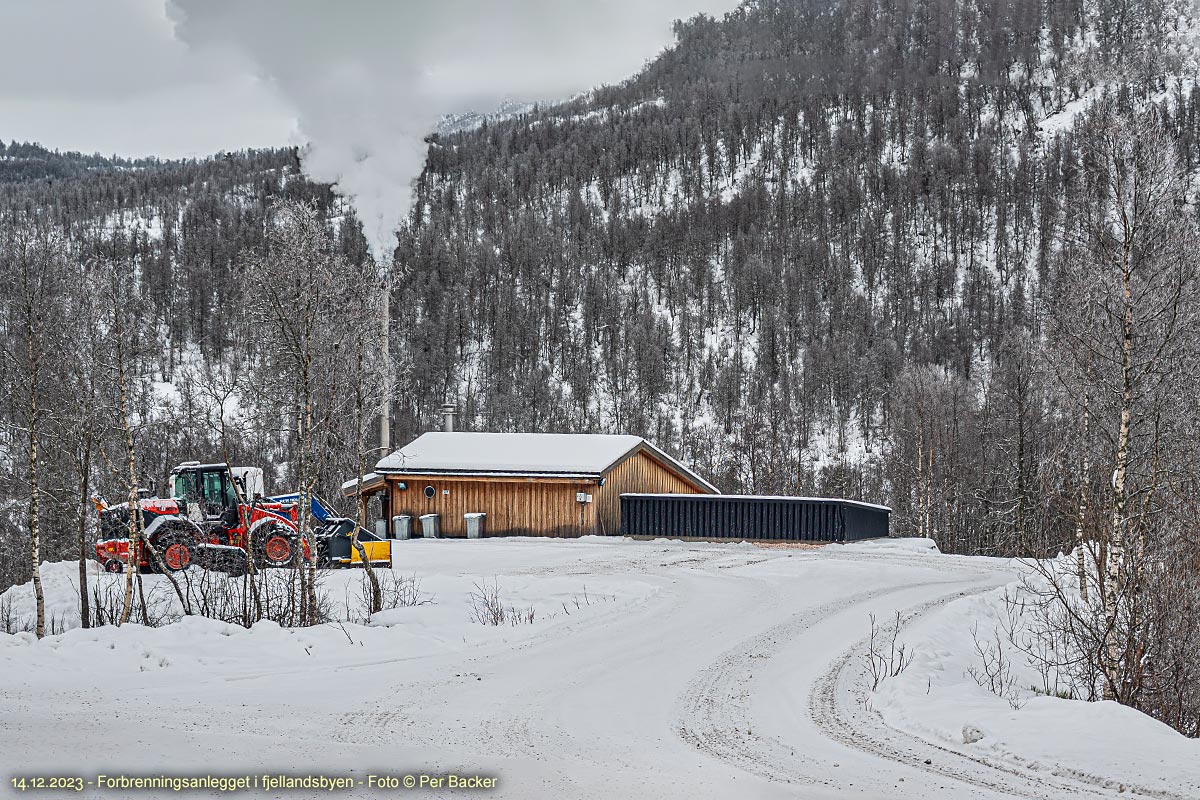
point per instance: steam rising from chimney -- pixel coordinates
(369, 80)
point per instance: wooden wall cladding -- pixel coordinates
(533, 506)
(639, 473)
(514, 506)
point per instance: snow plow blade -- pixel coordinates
(335, 548)
(222, 558)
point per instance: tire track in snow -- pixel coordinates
(714, 710)
(838, 705)
(715, 715)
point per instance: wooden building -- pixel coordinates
(528, 484)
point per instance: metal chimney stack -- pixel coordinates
(448, 412)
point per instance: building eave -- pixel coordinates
(371, 482)
(462, 473)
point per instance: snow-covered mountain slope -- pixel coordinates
(651, 669)
(740, 251)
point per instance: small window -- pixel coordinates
(187, 486)
(430, 492)
(217, 491)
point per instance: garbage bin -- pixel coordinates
(401, 526)
(474, 525)
(381, 528)
(429, 526)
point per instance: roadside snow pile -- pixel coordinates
(916, 544)
(969, 689)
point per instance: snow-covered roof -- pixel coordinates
(524, 454)
(369, 480)
(509, 452)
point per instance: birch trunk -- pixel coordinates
(922, 506)
(307, 482)
(85, 474)
(361, 521)
(1081, 566)
(33, 312)
(1116, 545)
(34, 487)
(135, 510)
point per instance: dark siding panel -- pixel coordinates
(766, 518)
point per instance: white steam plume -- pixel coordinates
(369, 79)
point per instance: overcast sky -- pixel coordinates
(110, 76)
(191, 77)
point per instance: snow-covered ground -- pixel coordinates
(651, 669)
(1022, 728)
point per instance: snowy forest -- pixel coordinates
(936, 254)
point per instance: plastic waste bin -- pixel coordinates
(381, 528)
(474, 525)
(429, 526)
(401, 526)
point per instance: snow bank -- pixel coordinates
(1104, 743)
(449, 573)
(900, 545)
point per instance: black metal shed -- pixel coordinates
(782, 519)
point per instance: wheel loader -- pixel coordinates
(217, 516)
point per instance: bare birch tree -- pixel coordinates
(371, 382)
(120, 300)
(1124, 321)
(37, 260)
(80, 428)
(306, 326)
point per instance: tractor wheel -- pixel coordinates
(177, 549)
(275, 546)
(113, 565)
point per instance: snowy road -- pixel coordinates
(660, 669)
